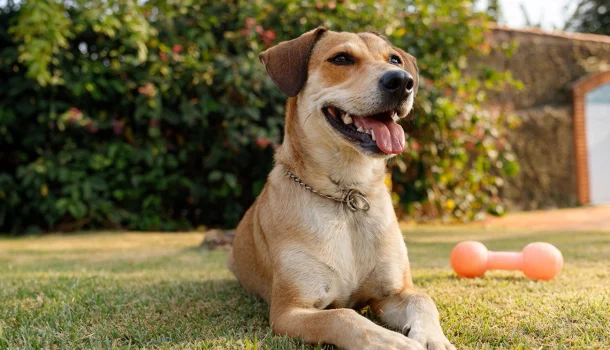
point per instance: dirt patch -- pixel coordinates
(579, 219)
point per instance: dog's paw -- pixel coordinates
(432, 338)
(389, 340)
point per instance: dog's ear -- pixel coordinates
(410, 66)
(286, 63)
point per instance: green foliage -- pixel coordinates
(590, 16)
(494, 10)
(156, 115)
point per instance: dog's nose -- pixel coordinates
(397, 82)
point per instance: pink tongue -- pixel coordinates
(389, 135)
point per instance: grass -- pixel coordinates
(159, 291)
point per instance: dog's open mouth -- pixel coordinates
(379, 131)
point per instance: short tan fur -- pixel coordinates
(311, 258)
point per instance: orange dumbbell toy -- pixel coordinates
(539, 261)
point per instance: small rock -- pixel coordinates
(213, 239)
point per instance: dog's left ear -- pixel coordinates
(410, 66)
(286, 63)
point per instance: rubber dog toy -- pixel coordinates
(539, 261)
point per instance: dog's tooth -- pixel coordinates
(373, 135)
(368, 131)
(395, 117)
(360, 129)
(347, 119)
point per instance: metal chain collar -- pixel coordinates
(353, 199)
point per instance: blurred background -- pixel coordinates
(157, 115)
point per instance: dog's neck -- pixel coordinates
(328, 168)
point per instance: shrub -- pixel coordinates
(158, 116)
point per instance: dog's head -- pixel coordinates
(351, 88)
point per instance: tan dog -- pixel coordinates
(316, 259)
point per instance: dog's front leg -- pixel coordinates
(344, 328)
(416, 316)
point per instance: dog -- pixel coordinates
(322, 239)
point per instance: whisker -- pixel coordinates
(307, 119)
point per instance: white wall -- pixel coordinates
(597, 120)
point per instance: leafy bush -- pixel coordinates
(158, 115)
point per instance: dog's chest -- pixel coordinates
(348, 243)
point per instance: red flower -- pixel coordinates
(148, 89)
(259, 29)
(153, 123)
(90, 127)
(117, 127)
(263, 142)
(163, 56)
(500, 143)
(332, 5)
(415, 145)
(74, 115)
(177, 48)
(250, 22)
(268, 36)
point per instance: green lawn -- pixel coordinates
(161, 291)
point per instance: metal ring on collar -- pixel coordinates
(357, 201)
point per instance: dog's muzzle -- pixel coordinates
(397, 84)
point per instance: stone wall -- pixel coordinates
(544, 145)
(548, 64)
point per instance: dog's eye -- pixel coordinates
(395, 60)
(342, 59)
